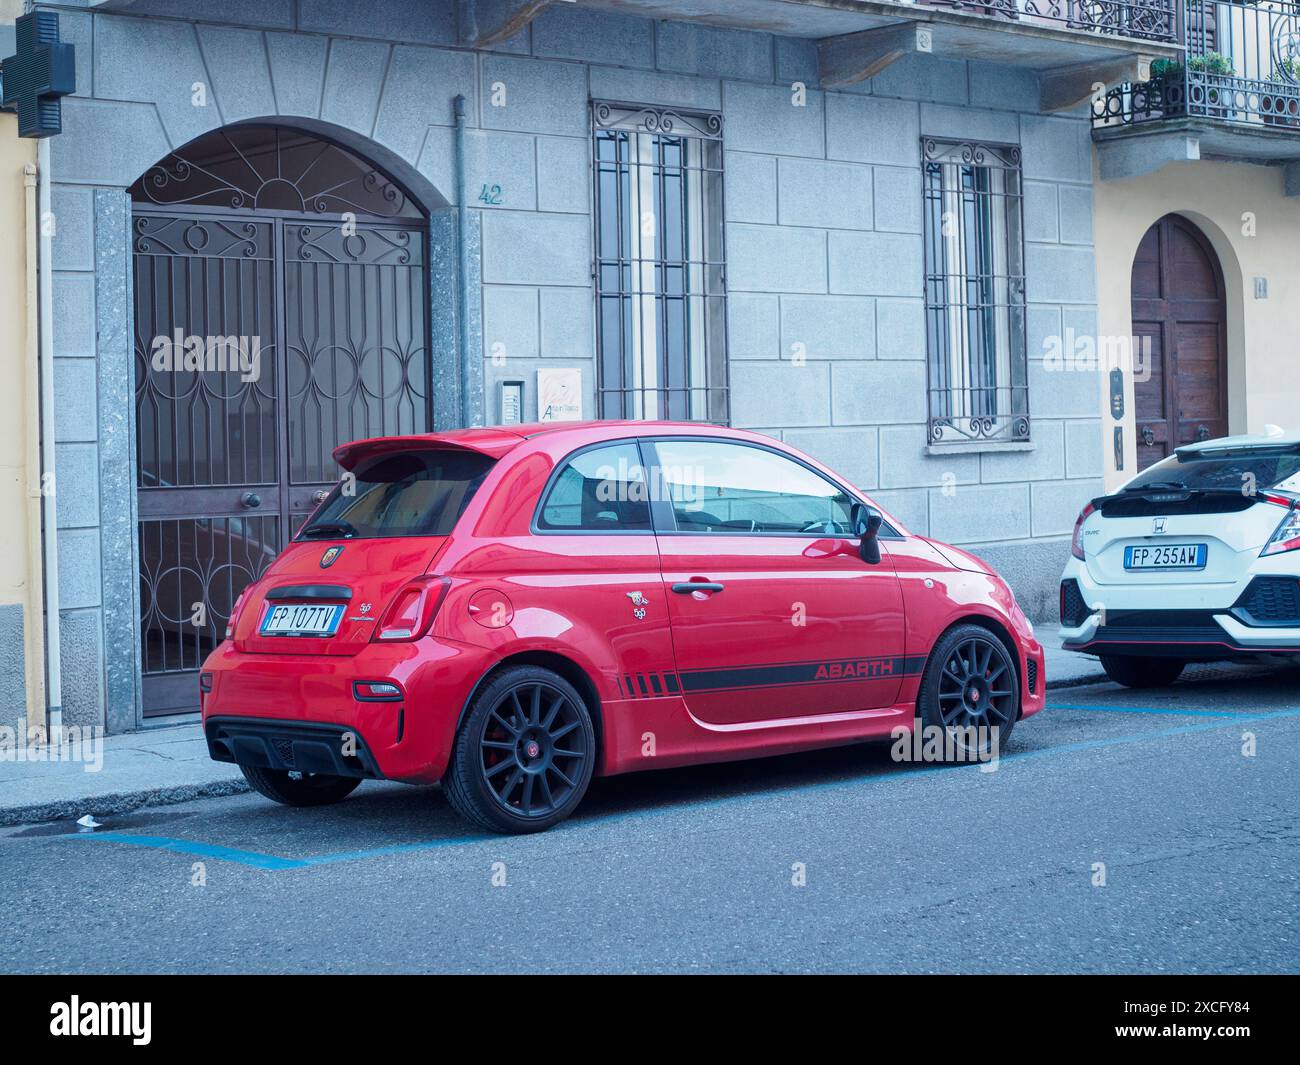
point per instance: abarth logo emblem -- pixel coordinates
(330, 557)
(639, 603)
(1158, 525)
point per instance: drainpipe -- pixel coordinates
(33, 616)
(39, 242)
(462, 245)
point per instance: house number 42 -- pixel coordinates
(491, 195)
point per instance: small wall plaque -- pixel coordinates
(559, 394)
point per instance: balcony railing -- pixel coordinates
(1150, 20)
(1242, 66)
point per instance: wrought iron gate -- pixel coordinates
(280, 310)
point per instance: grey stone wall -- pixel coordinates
(825, 248)
(823, 232)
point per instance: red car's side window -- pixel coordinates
(601, 489)
(720, 487)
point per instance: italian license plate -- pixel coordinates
(302, 619)
(1165, 556)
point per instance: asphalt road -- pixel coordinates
(907, 868)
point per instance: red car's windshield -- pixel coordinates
(413, 493)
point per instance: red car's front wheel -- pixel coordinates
(971, 690)
(524, 754)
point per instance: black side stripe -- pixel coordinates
(779, 675)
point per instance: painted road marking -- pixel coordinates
(257, 860)
(1154, 710)
(197, 849)
(275, 863)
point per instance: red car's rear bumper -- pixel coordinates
(403, 739)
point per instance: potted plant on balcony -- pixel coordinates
(1282, 108)
(1216, 101)
(1171, 87)
(1163, 94)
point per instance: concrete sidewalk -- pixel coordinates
(170, 765)
(151, 768)
(1066, 669)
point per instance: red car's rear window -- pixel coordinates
(411, 493)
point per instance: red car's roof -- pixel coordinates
(493, 440)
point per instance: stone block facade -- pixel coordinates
(824, 244)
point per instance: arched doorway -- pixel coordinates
(1180, 317)
(281, 309)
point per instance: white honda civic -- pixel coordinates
(1196, 559)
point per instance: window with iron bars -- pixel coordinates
(659, 264)
(975, 292)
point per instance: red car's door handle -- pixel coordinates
(687, 587)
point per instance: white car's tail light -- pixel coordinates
(411, 612)
(1286, 537)
(1076, 541)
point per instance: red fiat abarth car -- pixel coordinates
(510, 611)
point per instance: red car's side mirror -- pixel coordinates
(866, 521)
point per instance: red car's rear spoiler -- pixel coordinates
(491, 442)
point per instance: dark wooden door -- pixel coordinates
(1179, 321)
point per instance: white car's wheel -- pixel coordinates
(1139, 671)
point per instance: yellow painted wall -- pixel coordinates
(20, 436)
(1255, 229)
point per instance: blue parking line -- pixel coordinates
(397, 848)
(274, 863)
(200, 850)
(1154, 710)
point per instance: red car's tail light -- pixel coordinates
(1286, 537)
(412, 610)
(377, 691)
(234, 614)
(1076, 541)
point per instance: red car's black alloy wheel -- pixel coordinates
(977, 685)
(533, 749)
